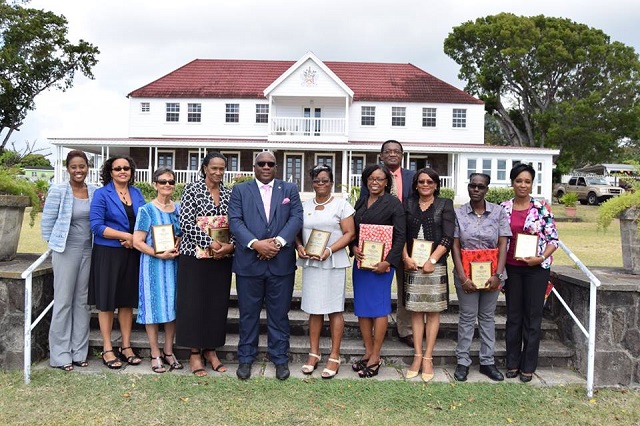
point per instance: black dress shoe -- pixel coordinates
(407, 340)
(526, 378)
(282, 372)
(512, 374)
(461, 373)
(244, 370)
(492, 372)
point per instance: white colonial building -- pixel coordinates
(308, 112)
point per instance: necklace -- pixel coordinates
(162, 204)
(123, 195)
(478, 215)
(324, 202)
(425, 203)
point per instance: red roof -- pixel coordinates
(370, 81)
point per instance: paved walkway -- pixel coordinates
(545, 376)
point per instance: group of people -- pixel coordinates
(105, 254)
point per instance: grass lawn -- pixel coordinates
(55, 397)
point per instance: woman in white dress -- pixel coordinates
(324, 275)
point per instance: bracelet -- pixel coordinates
(330, 251)
(543, 257)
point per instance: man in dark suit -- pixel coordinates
(391, 154)
(265, 215)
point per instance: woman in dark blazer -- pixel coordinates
(115, 263)
(372, 288)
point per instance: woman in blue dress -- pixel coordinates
(372, 288)
(158, 271)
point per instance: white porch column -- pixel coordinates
(344, 178)
(151, 166)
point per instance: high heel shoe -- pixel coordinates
(330, 374)
(310, 368)
(410, 373)
(159, 367)
(198, 372)
(358, 366)
(113, 364)
(175, 365)
(426, 377)
(370, 370)
(220, 368)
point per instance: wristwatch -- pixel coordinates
(433, 261)
(500, 276)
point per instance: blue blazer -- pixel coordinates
(407, 179)
(56, 215)
(248, 221)
(107, 211)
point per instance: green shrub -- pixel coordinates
(613, 207)
(447, 193)
(499, 194)
(570, 199)
(11, 185)
(239, 179)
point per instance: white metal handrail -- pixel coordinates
(27, 276)
(591, 333)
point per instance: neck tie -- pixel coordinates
(266, 199)
(394, 186)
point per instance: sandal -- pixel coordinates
(198, 372)
(157, 368)
(426, 377)
(360, 365)
(113, 364)
(175, 365)
(131, 360)
(410, 373)
(66, 367)
(80, 363)
(370, 370)
(220, 368)
(512, 373)
(310, 368)
(328, 373)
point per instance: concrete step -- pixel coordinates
(544, 376)
(552, 352)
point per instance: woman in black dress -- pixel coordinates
(204, 268)
(115, 263)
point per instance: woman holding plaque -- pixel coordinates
(328, 228)
(204, 267)
(430, 221)
(156, 237)
(481, 231)
(529, 258)
(65, 226)
(115, 264)
(372, 276)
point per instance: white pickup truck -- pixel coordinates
(591, 190)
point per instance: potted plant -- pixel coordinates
(570, 199)
(625, 207)
(16, 194)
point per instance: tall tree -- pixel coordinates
(35, 55)
(551, 82)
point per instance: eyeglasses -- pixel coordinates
(165, 181)
(121, 168)
(426, 182)
(320, 181)
(376, 179)
(392, 151)
(271, 164)
(476, 186)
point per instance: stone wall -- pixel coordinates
(12, 311)
(617, 356)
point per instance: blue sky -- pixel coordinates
(142, 40)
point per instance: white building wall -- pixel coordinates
(296, 84)
(213, 124)
(413, 130)
(540, 162)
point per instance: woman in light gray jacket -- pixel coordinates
(65, 226)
